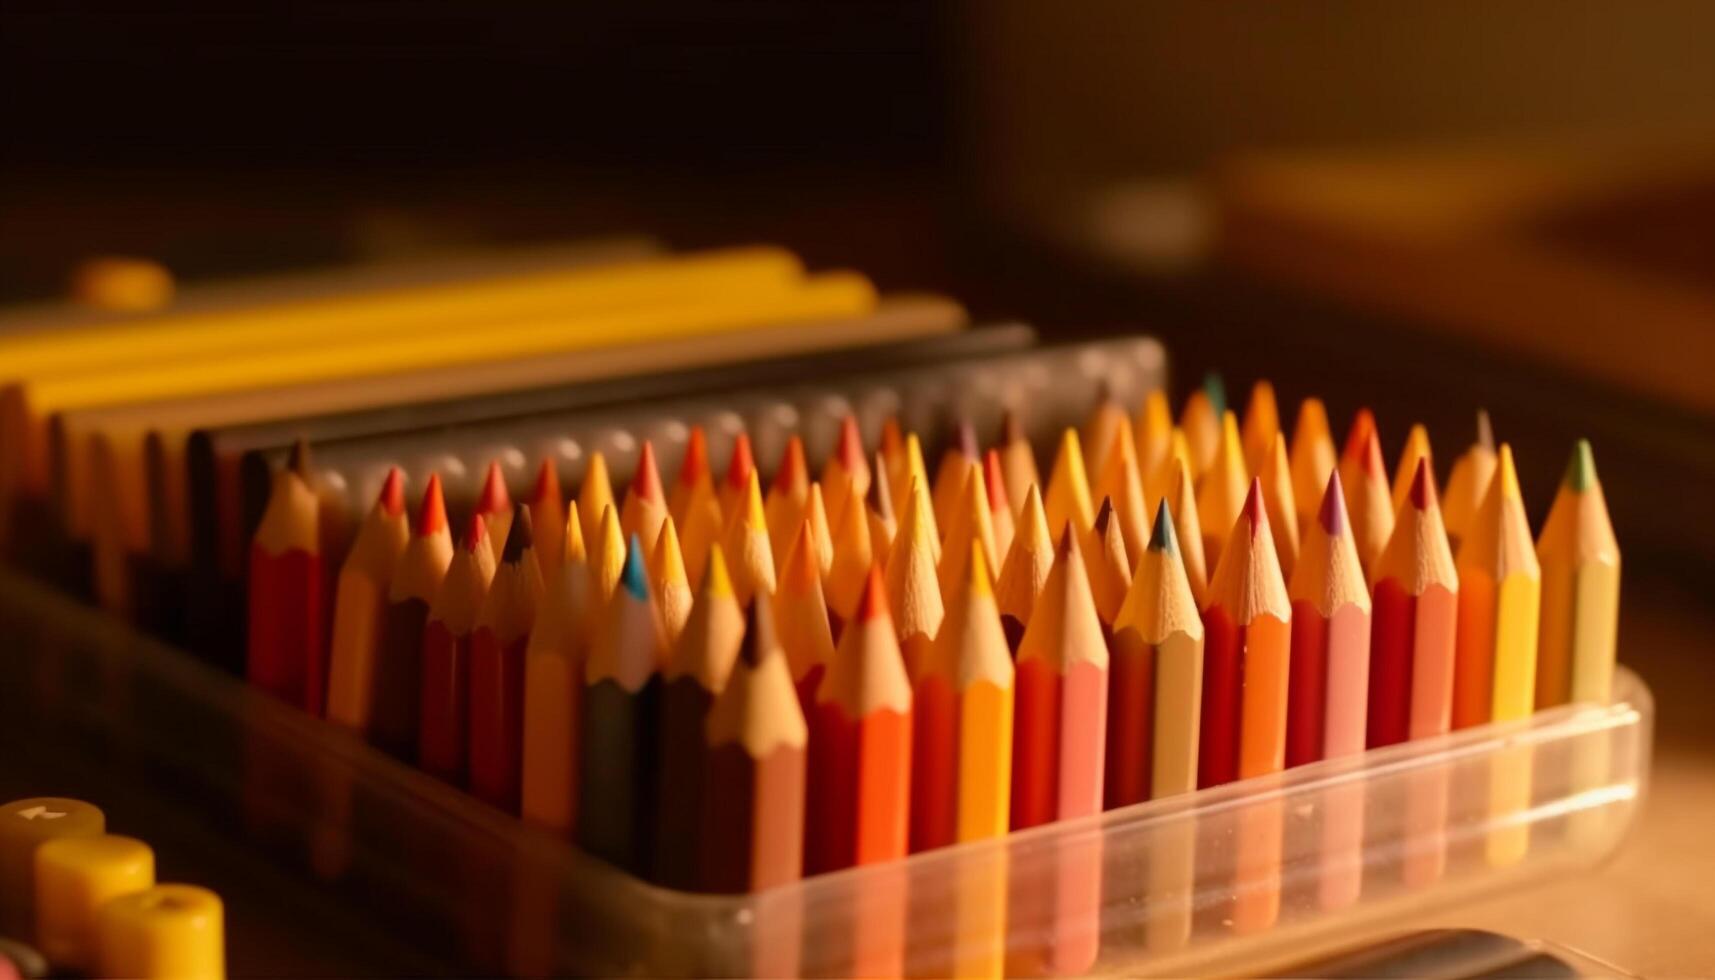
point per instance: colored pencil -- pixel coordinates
(1155, 691)
(1415, 621)
(801, 615)
(547, 513)
(607, 554)
(645, 505)
(741, 466)
(1121, 481)
(757, 753)
(1472, 472)
(821, 532)
(554, 688)
(1058, 760)
(398, 674)
(286, 634)
(1500, 602)
(1313, 458)
(913, 592)
(672, 586)
(622, 724)
(1282, 505)
(1000, 506)
(1017, 457)
(1261, 424)
(969, 522)
(849, 570)
(845, 478)
(360, 607)
(702, 523)
(912, 468)
(1328, 686)
(1416, 448)
(1107, 564)
(444, 708)
(1580, 562)
(1495, 649)
(1369, 501)
(1182, 504)
(788, 495)
(745, 543)
(1060, 734)
(883, 522)
(1221, 489)
(1200, 420)
(497, 646)
(1067, 500)
(694, 476)
(962, 703)
(1247, 627)
(948, 490)
(494, 506)
(1025, 571)
(697, 671)
(1153, 430)
(595, 495)
(860, 745)
(1105, 422)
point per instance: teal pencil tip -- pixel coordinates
(1581, 469)
(1215, 389)
(633, 577)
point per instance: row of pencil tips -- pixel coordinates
(933, 660)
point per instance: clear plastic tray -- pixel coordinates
(1223, 880)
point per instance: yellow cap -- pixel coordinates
(75, 876)
(24, 824)
(173, 931)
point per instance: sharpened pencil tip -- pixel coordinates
(849, 450)
(1485, 430)
(546, 489)
(1332, 514)
(759, 637)
(518, 537)
(696, 463)
(1161, 535)
(965, 439)
(1105, 516)
(873, 603)
(793, 469)
(1215, 389)
(475, 534)
(1581, 468)
(995, 482)
(1011, 429)
(742, 464)
(392, 498)
(432, 513)
(647, 481)
(494, 497)
(633, 576)
(1422, 485)
(1253, 512)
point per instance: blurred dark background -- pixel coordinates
(1426, 208)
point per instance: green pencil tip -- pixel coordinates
(1581, 468)
(1161, 535)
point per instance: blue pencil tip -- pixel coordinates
(633, 577)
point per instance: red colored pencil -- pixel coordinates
(1416, 612)
(1329, 681)
(443, 716)
(287, 630)
(497, 669)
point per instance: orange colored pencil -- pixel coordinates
(497, 669)
(1107, 564)
(672, 586)
(694, 478)
(1261, 424)
(1153, 430)
(1017, 457)
(360, 607)
(547, 513)
(1500, 604)
(1200, 420)
(860, 745)
(883, 522)
(595, 495)
(1107, 420)
(968, 523)
(948, 489)
(1328, 689)
(1121, 481)
(849, 570)
(962, 697)
(286, 630)
(1000, 506)
(554, 688)
(1067, 500)
(788, 494)
(741, 466)
(1279, 500)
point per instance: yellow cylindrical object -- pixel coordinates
(75, 876)
(168, 931)
(24, 825)
(121, 284)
